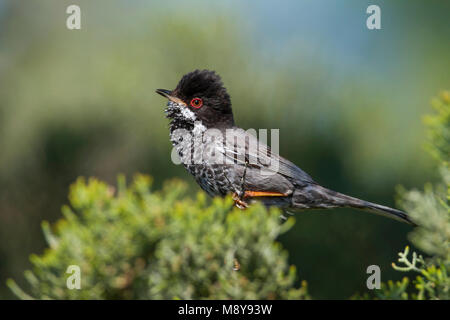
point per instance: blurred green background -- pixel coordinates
(348, 102)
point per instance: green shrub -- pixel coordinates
(137, 244)
(431, 211)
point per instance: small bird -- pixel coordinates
(225, 159)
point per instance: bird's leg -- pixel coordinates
(242, 191)
(238, 202)
(239, 195)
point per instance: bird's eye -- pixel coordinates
(196, 103)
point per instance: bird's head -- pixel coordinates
(200, 96)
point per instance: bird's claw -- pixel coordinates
(238, 202)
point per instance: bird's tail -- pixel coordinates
(316, 196)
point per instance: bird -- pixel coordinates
(225, 159)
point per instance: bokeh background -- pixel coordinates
(348, 102)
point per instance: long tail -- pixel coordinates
(316, 197)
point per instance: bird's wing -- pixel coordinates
(242, 147)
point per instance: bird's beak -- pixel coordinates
(168, 94)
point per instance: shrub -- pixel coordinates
(431, 211)
(138, 244)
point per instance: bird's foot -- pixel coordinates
(238, 202)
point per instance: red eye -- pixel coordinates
(196, 103)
